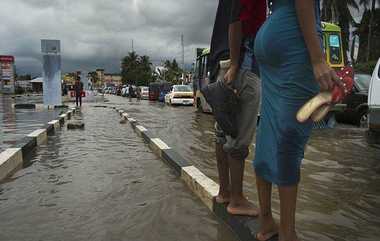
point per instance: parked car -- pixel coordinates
(180, 95)
(356, 104)
(144, 92)
(108, 90)
(374, 100)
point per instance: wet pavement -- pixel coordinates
(15, 124)
(101, 183)
(339, 197)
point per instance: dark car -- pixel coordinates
(356, 110)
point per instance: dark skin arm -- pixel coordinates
(235, 37)
(324, 75)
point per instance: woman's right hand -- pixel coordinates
(325, 76)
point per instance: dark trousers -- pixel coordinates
(78, 98)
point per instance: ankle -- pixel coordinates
(224, 193)
(288, 235)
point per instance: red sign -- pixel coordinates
(7, 58)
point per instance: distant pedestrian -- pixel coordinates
(130, 92)
(138, 93)
(78, 88)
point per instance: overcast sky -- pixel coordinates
(98, 33)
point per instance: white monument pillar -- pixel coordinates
(51, 52)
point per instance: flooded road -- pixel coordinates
(102, 183)
(339, 197)
(15, 124)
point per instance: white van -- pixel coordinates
(374, 99)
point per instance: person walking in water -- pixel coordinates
(78, 88)
(293, 69)
(130, 92)
(235, 28)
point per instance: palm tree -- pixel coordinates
(366, 3)
(337, 11)
(128, 68)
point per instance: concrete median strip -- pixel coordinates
(205, 188)
(140, 129)
(10, 161)
(13, 158)
(55, 124)
(201, 185)
(157, 145)
(40, 135)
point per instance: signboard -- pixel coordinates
(52, 89)
(7, 80)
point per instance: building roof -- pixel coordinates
(37, 80)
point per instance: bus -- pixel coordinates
(332, 42)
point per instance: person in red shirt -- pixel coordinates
(246, 17)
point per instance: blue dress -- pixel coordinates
(287, 83)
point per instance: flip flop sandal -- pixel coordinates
(318, 107)
(271, 235)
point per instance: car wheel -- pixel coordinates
(363, 119)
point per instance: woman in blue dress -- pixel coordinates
(292, 64)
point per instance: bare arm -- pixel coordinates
(235, 38)
(324, 75)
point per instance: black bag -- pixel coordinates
(225, 106)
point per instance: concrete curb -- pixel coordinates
(10, 161)
(40, 135)
(202, 186)
(13, 158)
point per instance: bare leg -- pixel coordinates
(239, 205)
(268, 227)
(224, 175)
(288, 200)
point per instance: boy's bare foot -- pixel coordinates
(223, 198)
(268, 229)
(242, 207)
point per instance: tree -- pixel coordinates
(371, 26)
(173, 72)
(369, 41)
(129, 68)
(94, 78)
(145, 73)
(337, 11)
(136, 69)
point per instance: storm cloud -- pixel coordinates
(98, 33)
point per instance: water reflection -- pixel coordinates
(15, 124)
(102, 183)
(339, 195)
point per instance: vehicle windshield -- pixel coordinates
(182, 88)
(335, 48)
(363, 81)
(145, 89)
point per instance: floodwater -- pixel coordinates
(101, 183)
(339, 195)
(15, 124)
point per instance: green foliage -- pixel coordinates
(337, 11)
(366, 68)
(94, 78)
(136, 69)
(340, 12)
(173, 72)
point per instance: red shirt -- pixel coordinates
(253, 14)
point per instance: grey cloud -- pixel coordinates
(98, 33)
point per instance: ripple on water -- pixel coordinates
(101, 183)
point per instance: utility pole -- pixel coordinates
(133, 49)
(183, 53)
